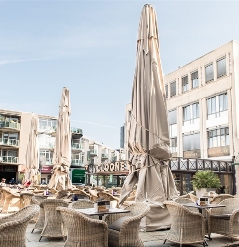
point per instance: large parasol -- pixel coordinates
(60, 179)
(148, 133)
(32, 159)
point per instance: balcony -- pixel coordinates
(9, 142)
(48, 130)
(76, 162)
(10, 126)
(76, 131)
(77, 147)
(104, 156)
(9, 159)
(93, 152)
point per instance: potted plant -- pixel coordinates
(205, 181)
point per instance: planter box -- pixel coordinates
(199, 192)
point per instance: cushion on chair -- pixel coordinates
(116, 225)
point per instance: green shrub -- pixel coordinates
(206, 179)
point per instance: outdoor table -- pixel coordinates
(92, 211)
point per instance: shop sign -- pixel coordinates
(77, 176)
(219, 151)
(118, 166)
(46, 169)
(9, 169)
(192, 154)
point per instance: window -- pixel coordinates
(46, 157)
(172, 117)
(191, 142)
(185, 83)
(166, 91)
(209, 73)
(172, 89)
(129, 116)
(194, 79)
(172, 121)
(191, 113)
(218, 137)
(217, 106)
(173, 145)
(221, 67)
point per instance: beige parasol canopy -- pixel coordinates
(60, 179)
(32, 159)
(148, 133)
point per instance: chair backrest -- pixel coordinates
(83, 229)
(138, 208)
(218, 198)
(81, 204)
(181, 200)
(31, 210)
(231, 204)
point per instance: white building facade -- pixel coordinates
(203, 112)
(14, 135)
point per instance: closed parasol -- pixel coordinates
(60, 179)
(148, 137)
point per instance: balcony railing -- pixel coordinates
(76, 162)
(77, 146)
(11, 125)
(104, 156)
(9, 142)
(76, 131)
(93, 152)
(9, 159)
(189, 164)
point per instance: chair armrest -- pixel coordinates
(110, 218)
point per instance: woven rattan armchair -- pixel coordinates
(81, 204)
(37, 199)
(53, 225)
(25, 198)
(123, 228)
(13, 227)
(82, 230)
(218, 198)
(187, 227)
(225, 220)
(108, 196)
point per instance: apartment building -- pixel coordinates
(14, 135)
(203, 115)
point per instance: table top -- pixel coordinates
(194, 205)
(92, 211)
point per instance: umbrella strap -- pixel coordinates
(146, 128)
(144, 167)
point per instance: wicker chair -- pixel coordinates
(225, 220)
(25, 198)
(187, 227)
(123, 228)
(218, 198)
(82, 230)
(81, 204)
(13, 227)
(37, 199)
(108, 197)
(53, 225)
(93, 195)
(184, 200)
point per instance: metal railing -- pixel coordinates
(189, 164)
(9, 159)
(9, 142)
(76, 162)
(11, 125)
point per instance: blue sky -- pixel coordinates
(90, 47)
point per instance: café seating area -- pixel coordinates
(58, 215)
